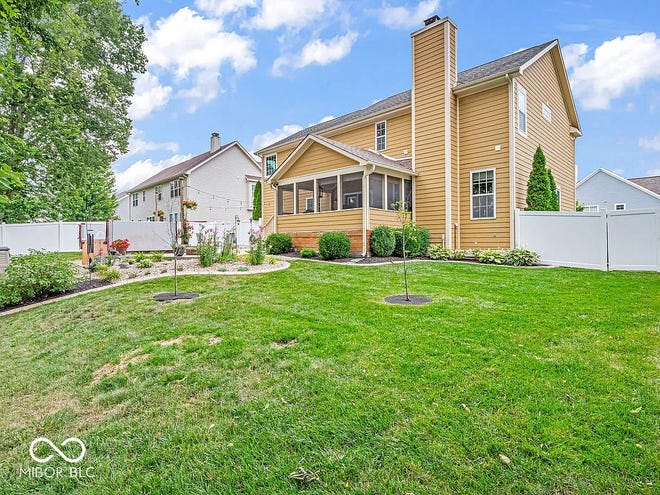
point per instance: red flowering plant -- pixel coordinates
(120, 245)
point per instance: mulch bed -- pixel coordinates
(83, 285)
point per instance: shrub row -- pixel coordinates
(35, 275)
(388, 241)
(514, 257)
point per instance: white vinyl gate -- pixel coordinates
(617, 240)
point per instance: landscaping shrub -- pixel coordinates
(207, 247)
(140, 257)
(334, 245)
(437, 252)
(307, 253)
(417, 240)
(458, 254)
(382, 241)
(279, 243)
(108, 274)
(491, 256)
(145, 263)
(35, 275)
(157, 256)
(520, 257)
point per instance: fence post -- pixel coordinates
(59, 236)
(516, 228)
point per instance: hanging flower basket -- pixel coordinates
(190, 204)
(159, 213)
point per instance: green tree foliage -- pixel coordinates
(554, 197)
(538, 185)
(256, 202)
(67, 71)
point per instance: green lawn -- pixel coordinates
(557, 369)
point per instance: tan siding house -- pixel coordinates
(457, 149)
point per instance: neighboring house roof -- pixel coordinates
(187, 166)
(625, 181)
(253, 177)
(360, 155)
(651, 183)
(503, 65)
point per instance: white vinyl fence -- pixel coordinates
(51, 236)
(618, 240)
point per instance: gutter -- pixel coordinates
(474, 86)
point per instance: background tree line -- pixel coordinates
(67, 71)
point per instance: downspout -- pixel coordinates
(512, 163)
(371, 168)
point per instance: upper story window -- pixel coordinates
(251, 185)
(546, 112)
(144, 195)
(271, 164)
(381, 135)
(522, 111)
(175, 189)
(134, 198)
(482, 197)
(159, 192)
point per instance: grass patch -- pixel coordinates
(511, 381)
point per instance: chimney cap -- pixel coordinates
(215, 134)
(431, 20)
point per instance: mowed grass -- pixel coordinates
(557, 369)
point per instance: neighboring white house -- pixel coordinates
(122, 212)
(604, 190)
(220, 181)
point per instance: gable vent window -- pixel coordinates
(271, 164)
(381, 135)
(522, 111)
(547, 113)
(620, 206)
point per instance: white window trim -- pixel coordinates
(619, 204)
(307, 200)
(522, 91)
(588, 208)
(266, 164)
(134, 199)
(494, 194)
(376, 135)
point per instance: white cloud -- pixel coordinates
(653, 172)
(149, 96)
(139, 146)
(324, 119)
(262, 140)
(407, 18)
(293, 14)
(652, 143)
(221, 8)
(143, 169)
(619, 171)
(191, 46)
(617, 66)
(317, 52)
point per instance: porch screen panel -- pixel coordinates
(407, 194)
(327, 194)
(305, 198)
(393, 192)
(351, 191)
(376, 190)
(285, 200)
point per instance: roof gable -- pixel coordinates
(616, 177)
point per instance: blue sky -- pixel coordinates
(257, 70)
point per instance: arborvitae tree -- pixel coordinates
(256, 202)
(554, 197)
(538, 185)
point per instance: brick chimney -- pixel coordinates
(434, 111)
(215, 141)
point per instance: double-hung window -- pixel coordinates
(271, 165)
(381, 135)
(134, 199)
(522, 111)
(482, 197)
(159, 193)
(175, 189)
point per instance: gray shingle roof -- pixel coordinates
(469, 76)
(175, 171)
(501, 65)
(404, 164)
(651, 183)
